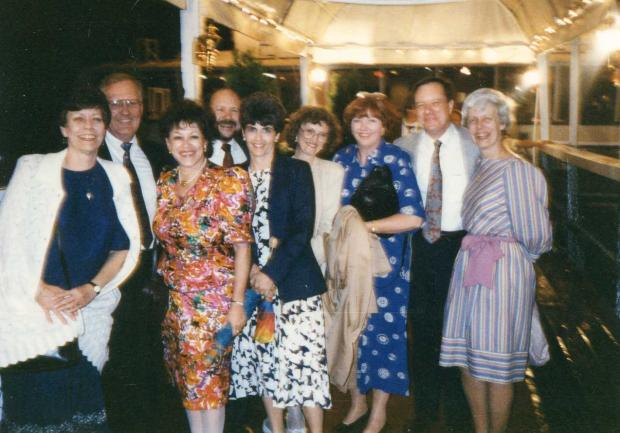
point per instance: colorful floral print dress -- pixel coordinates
(198, 232)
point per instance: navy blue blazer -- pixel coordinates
(292, 265)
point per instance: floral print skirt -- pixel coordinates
(188, 333)
(292, 369)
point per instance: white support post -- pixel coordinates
(304, 79)
(543, 100)
(574, 93)
(190, 29)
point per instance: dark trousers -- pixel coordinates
(137, 392)
(431, 272)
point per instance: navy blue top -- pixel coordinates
(292, 265)
(89, 228)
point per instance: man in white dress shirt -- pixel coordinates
(226, 107)
(134, 383)
(433, 260)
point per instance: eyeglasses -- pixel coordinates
(311, 134)
(433, 105)
(116, 104)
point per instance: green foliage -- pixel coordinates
(245, 76)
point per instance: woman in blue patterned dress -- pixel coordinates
(382, 347)
(489, 307)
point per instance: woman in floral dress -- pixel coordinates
(203, 222)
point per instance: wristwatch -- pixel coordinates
(96, 287)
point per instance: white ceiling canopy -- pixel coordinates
(393, 2)
(410, 31)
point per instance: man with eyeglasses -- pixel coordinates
(443, 157)
(135, 388)
(228, 148)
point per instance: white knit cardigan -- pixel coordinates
(28, 215)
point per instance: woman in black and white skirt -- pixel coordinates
(291, 369)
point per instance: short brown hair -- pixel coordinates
(84, 96)
(314, 115)
(446, 85)
(378, 106)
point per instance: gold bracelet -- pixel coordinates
(240, 303)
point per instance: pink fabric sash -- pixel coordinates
(484, 252)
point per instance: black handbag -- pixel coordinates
(375, 197)
(62, 357)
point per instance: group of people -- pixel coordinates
(87, 246)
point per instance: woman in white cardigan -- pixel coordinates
(68, 236)
(316, 133)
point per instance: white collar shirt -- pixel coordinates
(142, 166)
(453, 171)
(217, 157)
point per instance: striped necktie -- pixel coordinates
(138, 199)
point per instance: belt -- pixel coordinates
(484, 252)
(453, 235)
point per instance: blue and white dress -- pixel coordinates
(292, 369)
(382, 348)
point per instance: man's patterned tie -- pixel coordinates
(432, 228)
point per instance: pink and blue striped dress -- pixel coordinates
(487, 330)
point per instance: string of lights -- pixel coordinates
(577, 11)
(253, 14)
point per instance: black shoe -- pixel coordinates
(355, 427)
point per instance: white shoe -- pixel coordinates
(292, 416)
(295, 421)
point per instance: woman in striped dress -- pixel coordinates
(489, 308)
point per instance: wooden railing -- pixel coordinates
(585, 206)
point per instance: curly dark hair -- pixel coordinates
(378, 106)
(185, 111)
(314, 115)
(188, 112)
(264, 109)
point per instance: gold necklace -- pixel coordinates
(187, 182)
